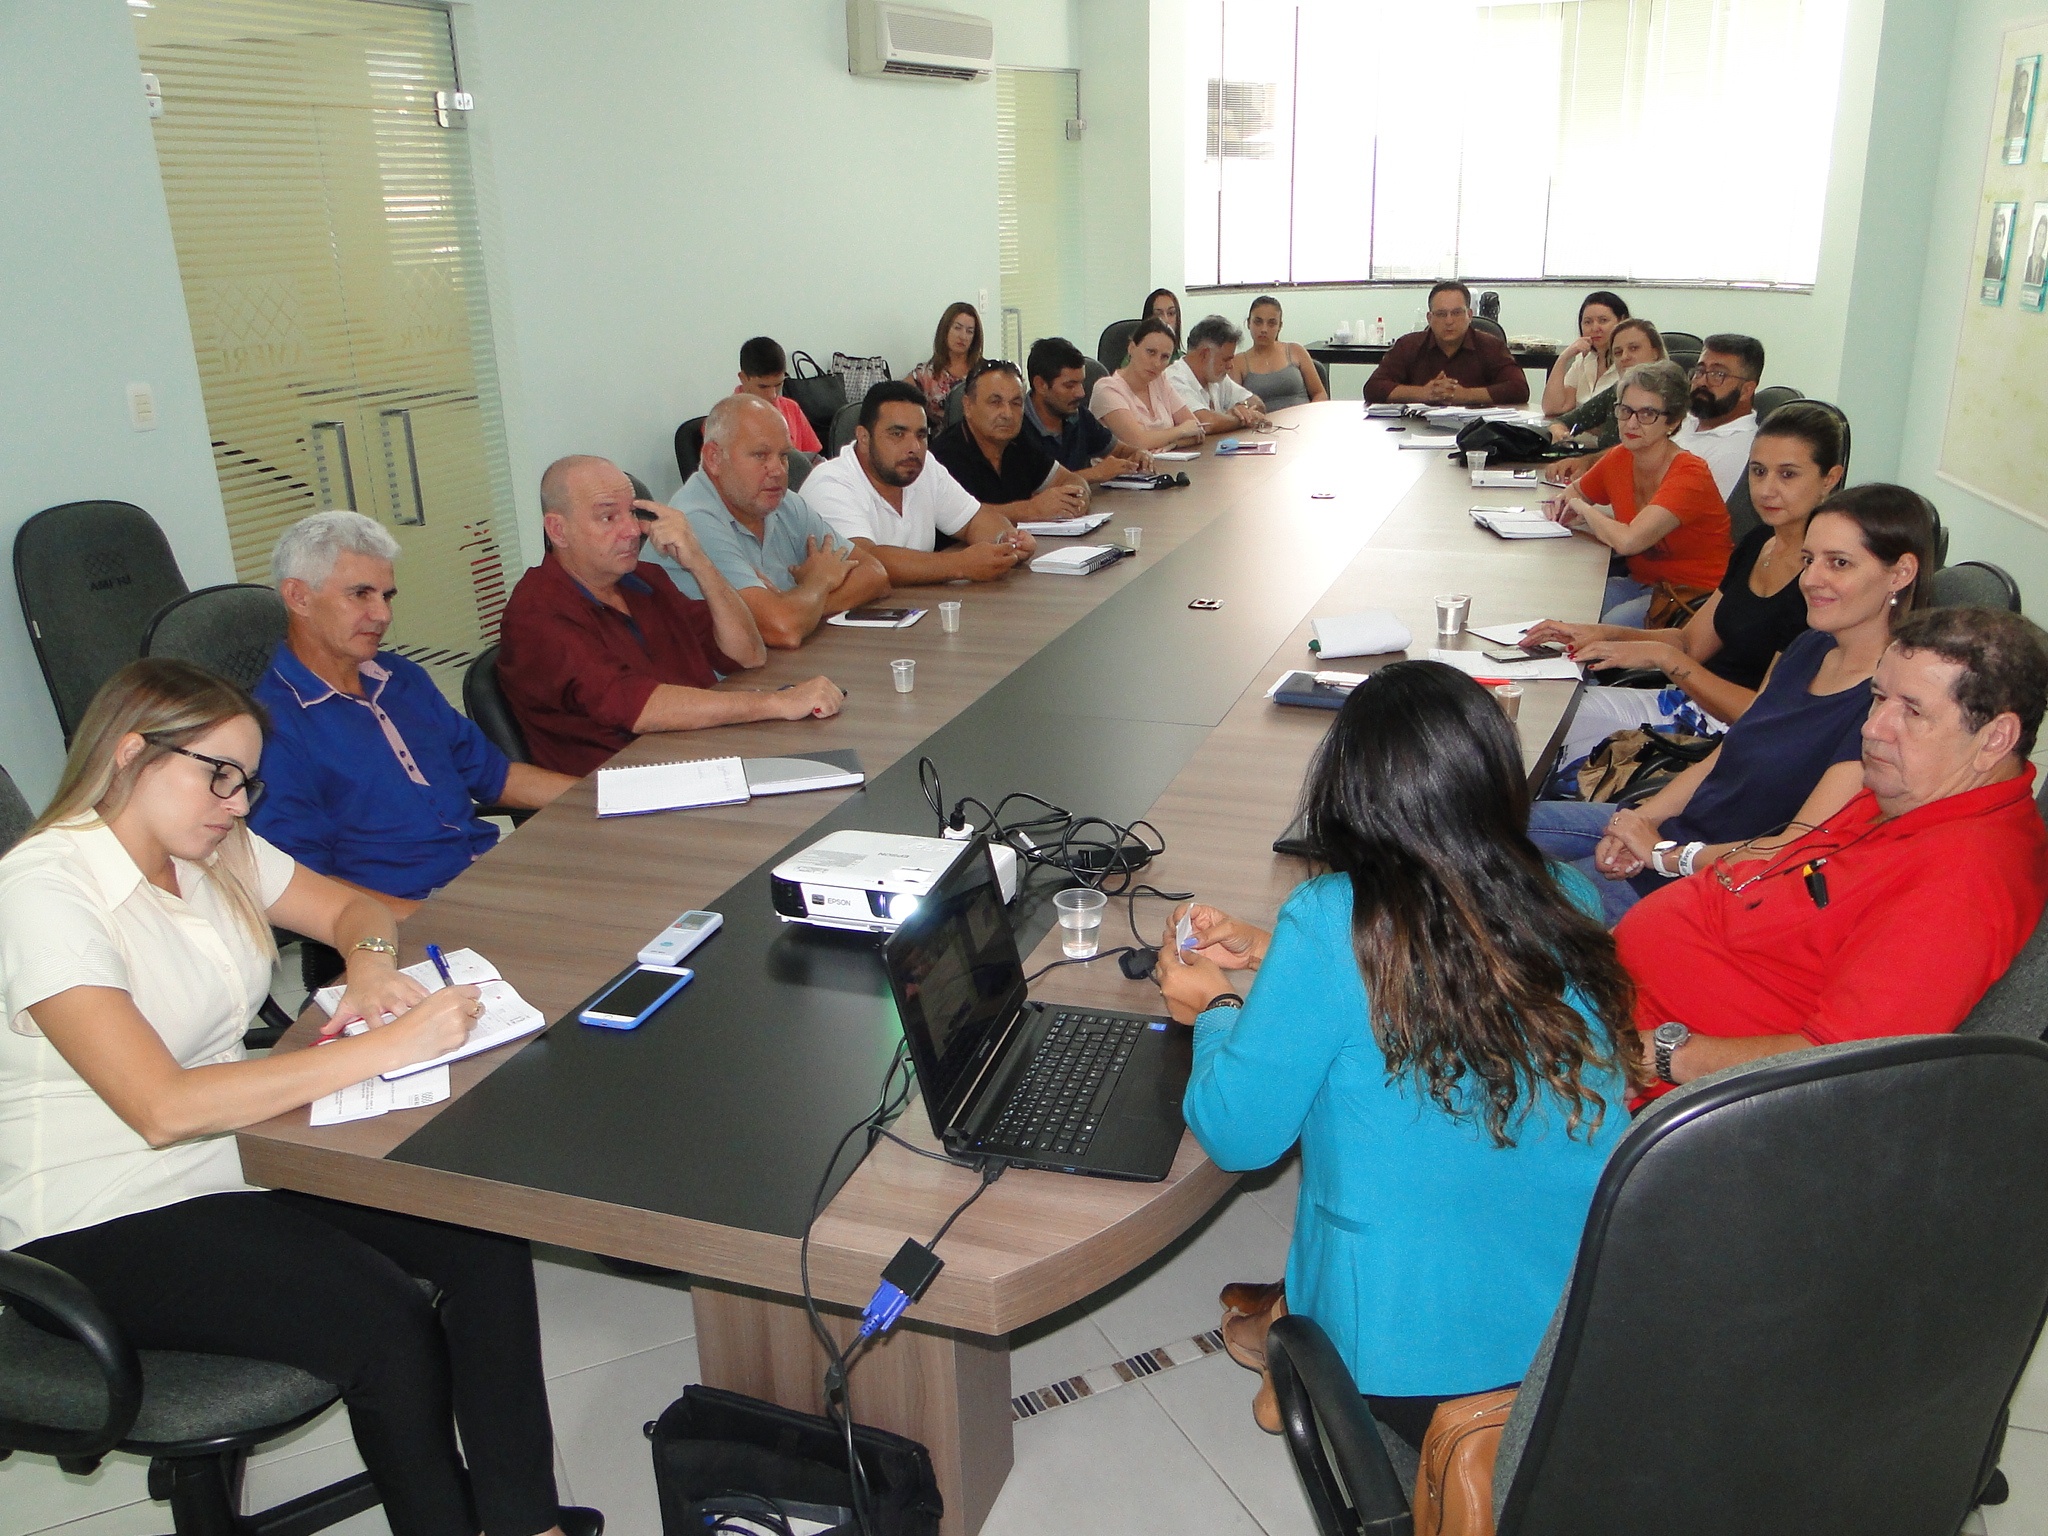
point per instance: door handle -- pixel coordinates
(408, 506)
(330, 443)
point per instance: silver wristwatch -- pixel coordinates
(1668, 1038)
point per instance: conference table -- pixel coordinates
(697, 1142)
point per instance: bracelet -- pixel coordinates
(1223, 1000)
(376, 946)
(1686, 856)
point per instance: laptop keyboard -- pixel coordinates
(1057, 1105)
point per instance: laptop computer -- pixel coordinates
(1041, 1085)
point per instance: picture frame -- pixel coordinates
(2019, 108)
(2034, 265)
(1998, 252)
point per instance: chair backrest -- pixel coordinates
(232, 631)
(1491, 327)
(1683, 348)
(639, 487)
(1848, 438)
(1804, 1296)
(484, 702)
(1091, 371)
(956, 406)
(89, 575)
(1322, 372)
(1115, 343)
(1771, 396)
(1974, 584)
(15, 814)
(1742, 518)
(844, 420)
(689, 446)
(800, 467)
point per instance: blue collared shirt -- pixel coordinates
(380, 789)
(742, 559)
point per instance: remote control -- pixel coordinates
(680, 937)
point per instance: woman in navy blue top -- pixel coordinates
(1441, 1023)
(1795, 756)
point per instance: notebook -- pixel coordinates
(1368, 632)
(876, 618)
(1315, 690)
(697, 782)
(506, 1017)
(1078, 560)
(1070, 527)
(1518, 523)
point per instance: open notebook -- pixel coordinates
(507, 1016)
(703, 781)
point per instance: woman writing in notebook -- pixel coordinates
(1442, 1025)
(1138, 404)
(135, 944)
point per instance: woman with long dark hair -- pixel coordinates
(1163, 305)
(1442, 1024)
(1586, 367)
(956, 348)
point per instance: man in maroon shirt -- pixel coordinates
(1450, 363)
(1894, 917)
(597, 646)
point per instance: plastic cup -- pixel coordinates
(1080, 922)
(1451, 608)
(904, 675)
(1510, 697)
(1475, 460)
(949, 618)
(1133, 537)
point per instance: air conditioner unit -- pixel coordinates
(883, 38)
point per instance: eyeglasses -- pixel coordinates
(1718, 376)
(229, 779)
(1449, 314)
(1628, 413)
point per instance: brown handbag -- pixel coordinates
(1454, 1484)
(1673, 604)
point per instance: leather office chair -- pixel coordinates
(800, 467)
(1684, 348)
(1490, 327)
(1974, 584)
(1114, 344)
(1092, 372)
(2017, 1003)
(689, 446)
(1742, 518)
(1323, 373)
(1771, 396)
(89, 575)
(484, 702)
(232, 631)
(956, 407)
(83, 1390)
(844, 420)
(15, 815)
(1806, 1291)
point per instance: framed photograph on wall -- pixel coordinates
(2034, 268)
(1998, 252)
(2019, 108)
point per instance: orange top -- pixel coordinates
(1695, 553)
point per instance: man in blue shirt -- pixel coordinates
(1058, 422)
(787, 564)
(374, 779)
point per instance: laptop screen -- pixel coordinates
(957, 978)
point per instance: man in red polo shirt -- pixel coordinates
(1897, 915)
(597, 646)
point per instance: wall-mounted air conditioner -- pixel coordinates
(883, 38)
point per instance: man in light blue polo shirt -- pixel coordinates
(373, 777)
(787, 564)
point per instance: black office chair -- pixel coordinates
(1974, 584)
(1114, 344)
(1770, 397)
(81, 1390)
(1684, 348)
(1092, 372)
(1490, 327)
(483, 700)
(15, 815)
(1742, 520)
(1323, 373)
(844, 420)
(90, 574)
(956, 406)
(232, 631)
(1805, 1293)
(800, 467)
(689, 446)
(2017, 1003)
(1940, 536)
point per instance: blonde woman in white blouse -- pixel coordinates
(134, 947)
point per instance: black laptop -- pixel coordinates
(1041, 1085)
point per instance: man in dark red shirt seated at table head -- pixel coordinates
(597, 646)
(1898, 914)
(1450, 363)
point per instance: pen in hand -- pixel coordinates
(440, 965)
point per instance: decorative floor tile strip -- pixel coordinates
(1106, 1377)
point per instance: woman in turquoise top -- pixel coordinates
(1453, 1129)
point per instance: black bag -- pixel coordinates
(1509, 442)
(722, 1453)
(1632, 765)
(818, 394)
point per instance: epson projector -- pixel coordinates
(871, 881)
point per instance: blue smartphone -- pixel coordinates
(628, 1002)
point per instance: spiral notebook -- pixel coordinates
(698, 782)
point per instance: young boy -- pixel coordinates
(762, 366)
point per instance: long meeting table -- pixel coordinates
(696, 1142)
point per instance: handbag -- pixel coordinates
(858, 375)
(818, 394)
(1454, 1483)
(1630, 766)
(1508, 442)
(1673, 603)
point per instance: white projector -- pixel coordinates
(871, 881)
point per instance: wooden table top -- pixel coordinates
(560, 905)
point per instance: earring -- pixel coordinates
(1895, 599)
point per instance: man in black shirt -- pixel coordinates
(1058, 422)
(995, 463)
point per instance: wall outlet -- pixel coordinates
(981, 301)
(142, 407)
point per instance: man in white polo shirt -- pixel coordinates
(1202, 378)
(1723, 419)
(883, 492)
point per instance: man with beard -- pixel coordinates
(1058, 422)
(1723, 418)
(883, 494)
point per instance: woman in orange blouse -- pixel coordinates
(1653, 503)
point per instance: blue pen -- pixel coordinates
(441, 965)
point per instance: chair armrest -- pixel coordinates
(275, 1021)
(520, 815)
(1634, 677)
(1320, 1407)
(68, 1305)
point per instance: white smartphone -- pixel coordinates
(631, 1000)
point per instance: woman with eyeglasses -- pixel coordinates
(1795, 757)
(956, 349)
(1587, 366)
(1653, 504)
(135, 944)
(1138, 403)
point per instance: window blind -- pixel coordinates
(1038, 210)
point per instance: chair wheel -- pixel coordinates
(1996, 1489)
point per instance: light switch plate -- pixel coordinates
(142, 408)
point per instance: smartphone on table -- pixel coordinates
(631, 1000)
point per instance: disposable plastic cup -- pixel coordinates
(904, 675)
(949, 618)
(1133, 537)
(1451, 609)
(1080, 922)
(1510, 696)
(1475, 460)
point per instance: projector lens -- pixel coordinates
(901, 906)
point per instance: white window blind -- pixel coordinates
(1635, 140)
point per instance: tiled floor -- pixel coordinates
(1173, 1453)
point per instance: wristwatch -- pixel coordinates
(1657, 858)
(376, 946)
(1668, 1038)
(1223, 1000)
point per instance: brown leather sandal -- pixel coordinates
(1249, 1310)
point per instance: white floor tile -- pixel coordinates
(1174, 1295)
(36, 1494)
(2025, 1464)
(1114, 1463)
(2030, 1402)
(331, 1428)
(1054, 1348)
(1211, 1402)
(274, 1479)
(145, 1519)
(590, 1314)
(598, 1414)
(1275, 1189)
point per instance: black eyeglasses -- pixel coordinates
(229, 779)
(1628, 413)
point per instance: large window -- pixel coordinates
(1680, 141)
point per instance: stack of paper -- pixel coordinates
(1537, 668)
(1519, 523)
(670, 786)
(1499, 479)
(1071, 527)
(1428, 440)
